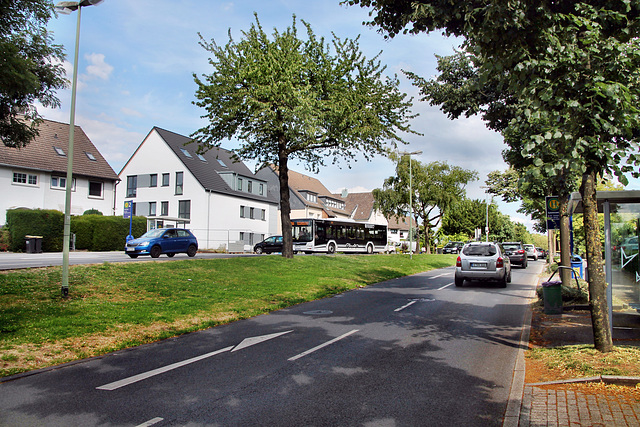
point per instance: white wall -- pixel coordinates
(43, 196)
(215, 218)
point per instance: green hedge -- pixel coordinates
(36, 222)
(93, 232)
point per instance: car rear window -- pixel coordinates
(509, 247)
(480, 250)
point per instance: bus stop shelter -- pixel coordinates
(621, 211)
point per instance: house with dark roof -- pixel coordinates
(308, 197)
(213, 194)
(361, 206)
(35, 176)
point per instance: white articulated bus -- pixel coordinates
(332, 235)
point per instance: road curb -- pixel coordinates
(606, 379)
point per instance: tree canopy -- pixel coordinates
(31, 68)
(286, 97)
(572, 67)
(435, 187)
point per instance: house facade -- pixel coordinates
(35, 176)
(217, 197)
(308, 197)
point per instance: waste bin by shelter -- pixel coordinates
(552, 295)
(33, 244)
(576, 262)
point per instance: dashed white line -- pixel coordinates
(322, 345)
(445, 286)
(405, 306)
(440, 275)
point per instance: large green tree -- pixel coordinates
(434, 187)
(30, 68)
(572, 67)
(468, 215)
(287, 97)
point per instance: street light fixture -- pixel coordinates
(406, 153)
(66, 7)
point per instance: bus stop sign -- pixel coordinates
(553, 212)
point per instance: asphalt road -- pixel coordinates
(410, 351)
(10, 261)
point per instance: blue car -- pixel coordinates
(158, 241)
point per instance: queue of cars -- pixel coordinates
(491, 261)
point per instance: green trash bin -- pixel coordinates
(552, 295)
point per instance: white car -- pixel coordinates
(483, 261)
(531, 251)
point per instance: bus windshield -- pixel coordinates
(302, 231)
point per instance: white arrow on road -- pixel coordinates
(247, 342)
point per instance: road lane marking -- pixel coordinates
(247, 342)
(445, 286)
(322, 345)
(151, 422)
(440, 275)
(143, 376)
(406, 305)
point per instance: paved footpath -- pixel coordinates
(557, 407)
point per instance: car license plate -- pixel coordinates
(130, 249)
(478, 265)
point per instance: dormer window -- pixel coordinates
(201, 157)
(59, 151)
(185, 152)
(91, 157)
(221, 163)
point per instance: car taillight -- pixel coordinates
(521, 251)
(459, 262)
(499, 262)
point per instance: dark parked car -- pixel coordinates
(158, 241)
(516, 253)
(483, 261)
(452, 248)
(268, 245)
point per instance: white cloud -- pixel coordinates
(98, 68)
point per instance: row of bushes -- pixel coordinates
(94, 232)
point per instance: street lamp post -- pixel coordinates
(406, 153)
(66, 7)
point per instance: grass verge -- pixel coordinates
(120, 305)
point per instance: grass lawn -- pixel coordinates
(119, 305)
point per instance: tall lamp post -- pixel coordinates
(406, 153)
(66, 7)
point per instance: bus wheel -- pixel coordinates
(370, 249)
(331, 248)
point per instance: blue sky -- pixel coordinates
(137, 60)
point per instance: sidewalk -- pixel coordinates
(543, 406)
(562, 403)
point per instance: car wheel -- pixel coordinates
(503, 283)
(509, 277)
(459, 281)
(155, 252)
(331, 248)
(258, 250)
(133, 255)
(171, 255)
(191, 251)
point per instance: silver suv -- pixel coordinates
(483, 261)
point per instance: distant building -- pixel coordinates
(35, 176)
(213, 194)
(308, 197)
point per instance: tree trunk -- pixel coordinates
(285, 206)
(565, 241)
(597, 283)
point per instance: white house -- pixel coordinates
(35, 176)
(308, 197)
(218, 198)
